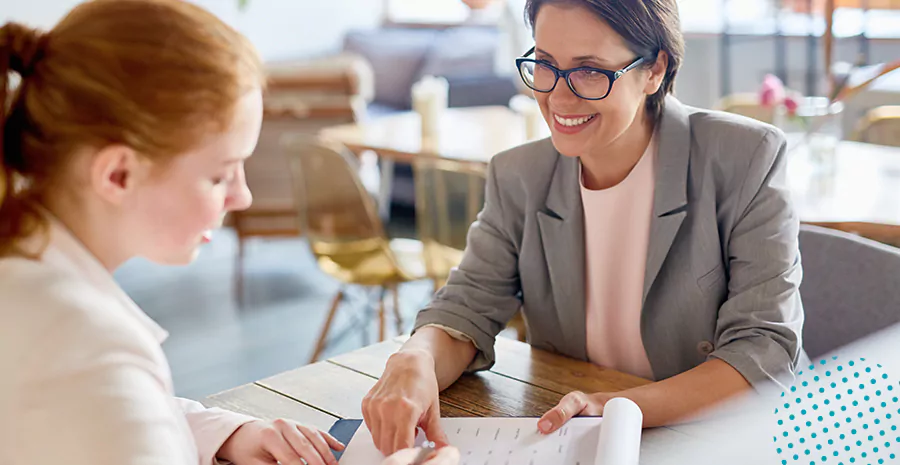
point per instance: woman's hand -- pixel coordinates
(405, 397)
(573, 404)
(281, 441)
(443, 456)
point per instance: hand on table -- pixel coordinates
(281, 441)
(405, 397)
(573, 404)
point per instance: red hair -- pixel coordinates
(155, 75)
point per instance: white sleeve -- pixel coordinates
(211, 427)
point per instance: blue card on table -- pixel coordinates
(343, 430)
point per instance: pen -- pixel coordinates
(426, 450)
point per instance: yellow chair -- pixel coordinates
(881, 125)
(747, 104)
(449, 196)
(273, 213)
(301, 97)
(345, 233)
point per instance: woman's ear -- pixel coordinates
(114, 171)
(657, 73)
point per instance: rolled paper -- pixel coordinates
(620, 433)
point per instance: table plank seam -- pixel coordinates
(351, 369)
(336, 416)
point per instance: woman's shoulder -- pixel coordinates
(523, 173)
(33, 283)
(733, 147)
(46, 310)
(714, 129)
(536, 159)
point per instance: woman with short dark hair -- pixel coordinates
(644, 236)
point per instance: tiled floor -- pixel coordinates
(215, 345)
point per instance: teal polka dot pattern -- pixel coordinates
(854, 394)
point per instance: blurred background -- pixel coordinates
(382, 114)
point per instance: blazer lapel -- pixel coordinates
(670, 194)
(561, 225)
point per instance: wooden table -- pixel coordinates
(523, 382)
(527, 382)
(862, 195)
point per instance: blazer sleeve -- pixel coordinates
(482, 293)
(758, 330)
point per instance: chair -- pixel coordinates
(747, 104)
(881, 125)
(345, 233)
(850, 288)
(300, 98)
(449, 196)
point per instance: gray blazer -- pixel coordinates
(723, 264)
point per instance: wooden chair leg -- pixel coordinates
(397, 316)
(381, 315)
(326, 328)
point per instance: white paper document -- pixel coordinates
(612, 440)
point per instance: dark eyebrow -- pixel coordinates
(591, 58)
(578, 58)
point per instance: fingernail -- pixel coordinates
(545, 425)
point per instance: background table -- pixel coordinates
(860, 195)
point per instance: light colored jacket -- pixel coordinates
(723, 265)
(83, 379)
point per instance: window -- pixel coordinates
(439, 12)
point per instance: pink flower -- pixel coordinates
(791, 103)
(771, 93)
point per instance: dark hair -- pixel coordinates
(648, 27)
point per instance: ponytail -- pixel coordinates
(156, 75)
(20, 48)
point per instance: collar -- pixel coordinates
(65, 251)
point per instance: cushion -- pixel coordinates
(396, 55)
(462, 52)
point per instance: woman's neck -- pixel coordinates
(608, 166)
(99, 237)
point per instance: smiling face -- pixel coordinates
(571, 36)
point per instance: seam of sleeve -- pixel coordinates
(496, 183)
(479, 361)
(744, 186)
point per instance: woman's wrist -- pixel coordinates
(412, 357)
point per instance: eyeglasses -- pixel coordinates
(585, 82)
